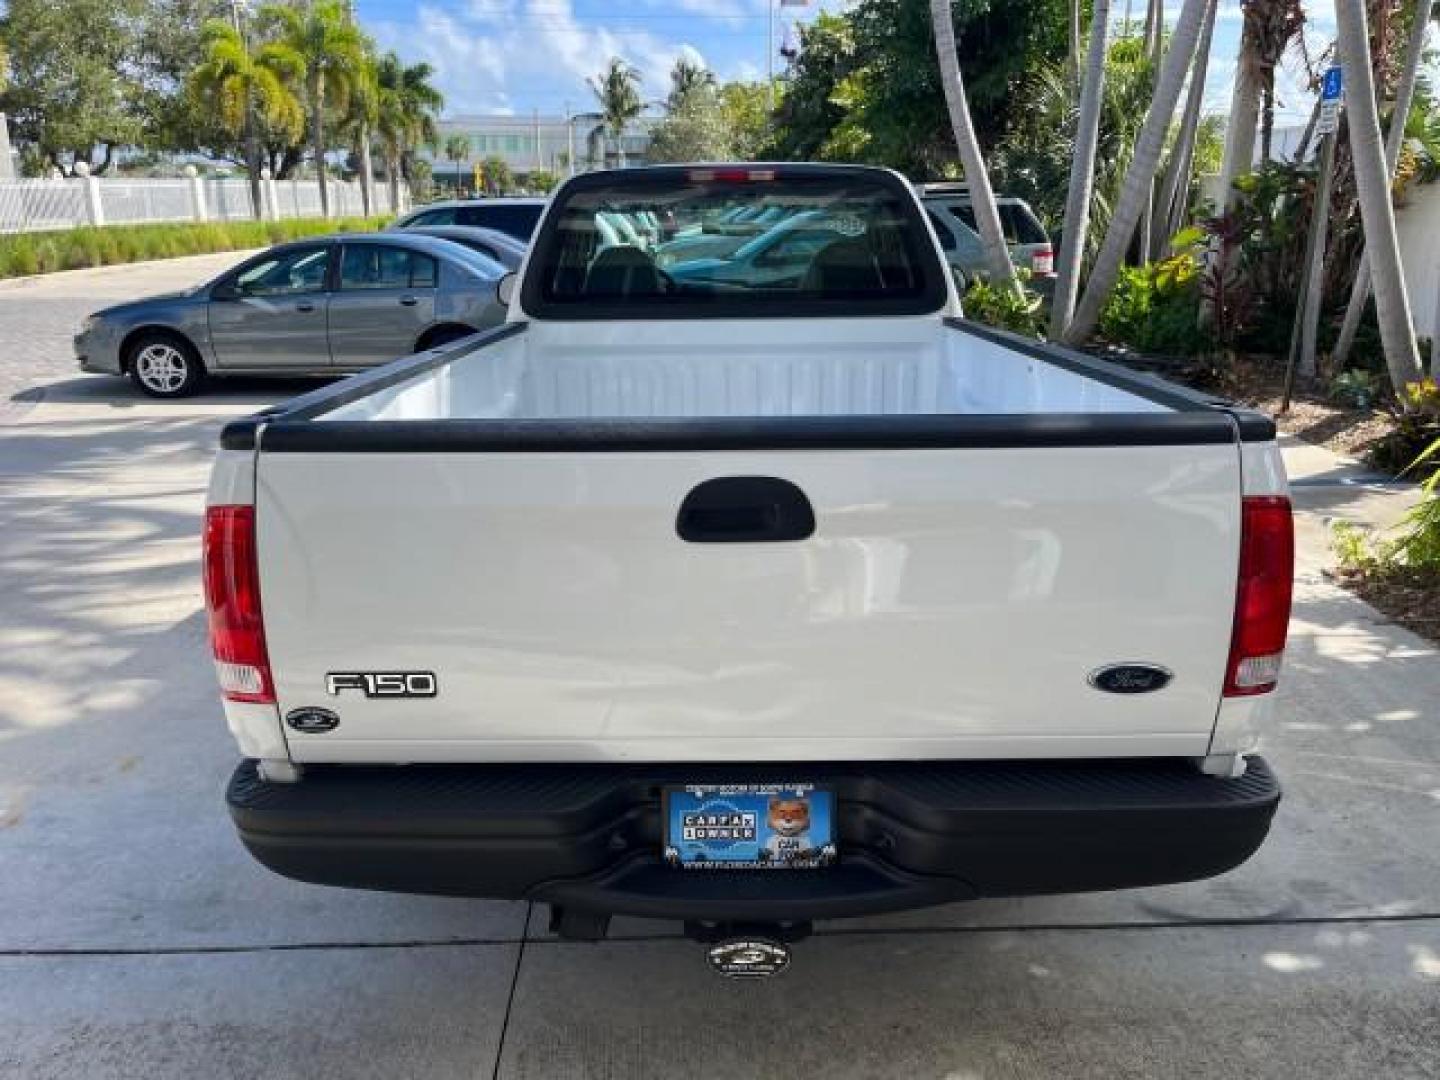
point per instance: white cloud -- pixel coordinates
(491, 55)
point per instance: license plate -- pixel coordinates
(749, 827)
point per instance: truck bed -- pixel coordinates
(895, 367)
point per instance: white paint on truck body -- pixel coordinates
(951, 603)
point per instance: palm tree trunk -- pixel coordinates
(252, 164)
(1175, 189)
(317, 138)
(1138, 179)
(1404, 95)
(982, 197)
(1267, 115)
(1239, 157)
(367, 172)
(1072, 54)
(1082, 176)
(1303, 146)
(1244, 114)
(392, 166)
(1372, 183)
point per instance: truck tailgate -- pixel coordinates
(951, 602)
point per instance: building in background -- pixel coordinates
(527, 143)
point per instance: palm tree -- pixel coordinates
(686, 78)
(1372, 185)
(1082, 175)
(1244, 114)
(1135, 192)
(457, 150)
(982, 197)
(406, 106)
(358, 123)
(1175, 188)
(333, 51)
(618, 91)
(1279, 24)
(248, 88)
(1404, 96)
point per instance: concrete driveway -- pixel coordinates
(138, 939)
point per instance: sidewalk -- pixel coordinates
(1326, 487)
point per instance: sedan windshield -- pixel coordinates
(743, 240)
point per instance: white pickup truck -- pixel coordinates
(747, 600)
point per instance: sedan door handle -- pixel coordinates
(305, 305)
(408, 301)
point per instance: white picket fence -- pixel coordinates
(37, 205)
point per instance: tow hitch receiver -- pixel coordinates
(748, 950)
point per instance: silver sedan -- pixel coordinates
(331, 305)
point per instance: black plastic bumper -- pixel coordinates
(910, 834)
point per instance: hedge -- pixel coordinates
(75, 249)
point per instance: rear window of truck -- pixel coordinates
(733, 241)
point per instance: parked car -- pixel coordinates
(492, 243)
(953, 217)
(751, 599)
(779, 256)
(324, 306)
(516, 216)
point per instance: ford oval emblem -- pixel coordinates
(312, 720)
(1130, 678)
(748, 958)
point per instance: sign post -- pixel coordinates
(1312, 282)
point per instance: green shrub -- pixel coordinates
(73, 249)
(1155, 308)
(1018, 311)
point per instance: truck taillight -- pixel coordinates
(232, 596)
(1043, 262)
(1262, 595)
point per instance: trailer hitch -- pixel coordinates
(748, 950)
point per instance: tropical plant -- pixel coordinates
(1017, 309)
(695, 127)
(407, 104)
(1081, 186)
(1394, 144)
(982, 197)
(1033, 159)
(1372, 184)
(1174, 194)
(249, 86)
(457, 151)
(1153, 308)
(747, 116)
(357, 123)
(866, 85)
(617, 90)
(498, 177)
(332, 51)
(686, 78)
(1139, 179)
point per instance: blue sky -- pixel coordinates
(516, 56)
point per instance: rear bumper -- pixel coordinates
(910, 834)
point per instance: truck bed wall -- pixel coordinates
(764, 368)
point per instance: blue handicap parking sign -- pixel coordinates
(1331, 84)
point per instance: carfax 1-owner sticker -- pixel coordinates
(749, 826)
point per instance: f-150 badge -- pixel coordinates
(383, 684)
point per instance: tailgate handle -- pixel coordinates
(745, 510)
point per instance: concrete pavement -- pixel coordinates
(138, 939)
